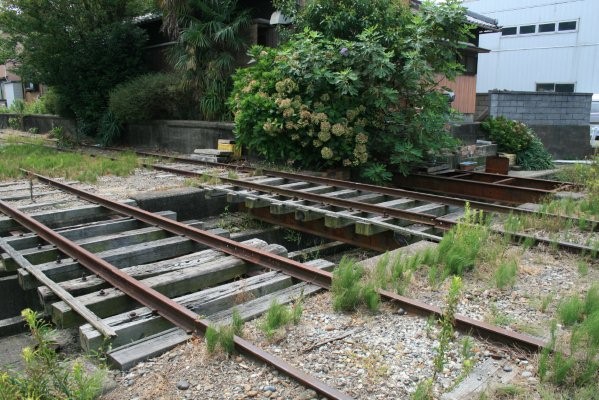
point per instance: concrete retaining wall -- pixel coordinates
(181, 136)
(42, 123)
(538, 108)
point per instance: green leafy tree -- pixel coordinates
(210, 36)
(406, 115)
(80, 48)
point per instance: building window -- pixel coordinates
(567, 26)
(555, 87)
(512, 30)
(527, 29)
(546, 28)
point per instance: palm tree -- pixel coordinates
(210, 36)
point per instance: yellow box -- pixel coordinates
(229, 145)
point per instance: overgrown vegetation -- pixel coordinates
(572, 362)
(516, 137)
(210, 35)
(50, 162)
(279, 315)
(46, 375)
(151, 96)
(356, 85)
(349, 290)
(466, 245)
(80, 50)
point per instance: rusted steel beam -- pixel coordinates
(382, 242)
(421, 218)
(296, 269)
(531, 183)
(154, 300)
(471, 189)
(391, 191)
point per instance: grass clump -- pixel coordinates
(224, 336)
(574, 366)
(50, 162)
(571, 310)
(505, 274)
(47, 376)
(279, 315)
(349, 292)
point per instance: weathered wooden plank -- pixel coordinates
(97, 244)
(176, 283)
(127, 356)
(122, 257)
(86, 231)
(205, 302)
(79, 287)
(65, 296)
(55, 219)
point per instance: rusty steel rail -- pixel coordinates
(154, 300)
(389, 191)
(426, 219)
(421, 218)
(299, 270)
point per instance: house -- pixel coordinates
(543, 46)
(12, 88)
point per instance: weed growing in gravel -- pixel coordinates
(575, 371)
(424, 390)
(451, 305)
(459, 248)
(211, 337)
(279, 315)
(583, 267)
(45, 375)
(398, 273)
(348, 290)
(571, 310)
(545, 301)
(498, 317)
(224, 336)
(505, 274)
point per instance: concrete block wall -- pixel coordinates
(541, 108)
(482, 106)
(180, 136)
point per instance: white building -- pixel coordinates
(544, 45)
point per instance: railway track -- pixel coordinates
(102, 265)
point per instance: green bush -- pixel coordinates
(46, 375)
(535, 157)
(310, 103)
(357, 86)
(151, 97)
(511, 136)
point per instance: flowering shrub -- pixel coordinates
(314, 102)
(511, 136)
(358, 86)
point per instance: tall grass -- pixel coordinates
(53, 163)
(348, 289)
